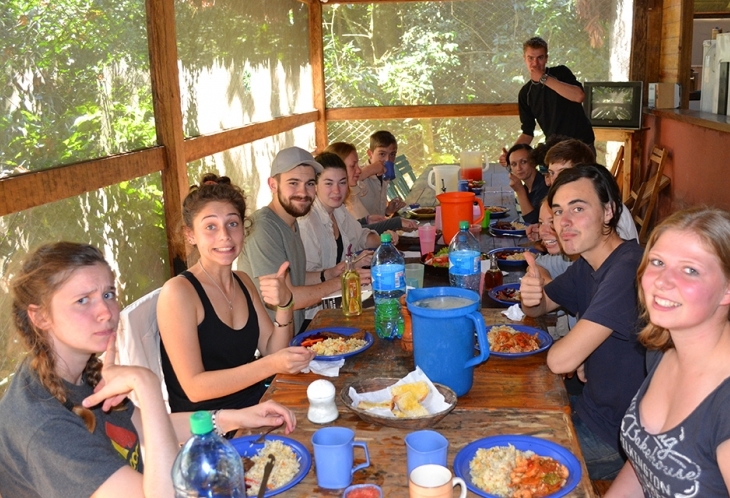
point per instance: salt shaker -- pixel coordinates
(322, 406)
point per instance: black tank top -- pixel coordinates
(221, 347)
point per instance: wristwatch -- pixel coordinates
(543, 78)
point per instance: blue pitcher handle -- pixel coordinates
(476, 317)
(367, 456)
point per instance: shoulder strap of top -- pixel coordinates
(207, 305)
(243, 287)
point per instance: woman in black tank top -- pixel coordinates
(211, 318)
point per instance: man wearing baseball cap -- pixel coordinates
(275, 238)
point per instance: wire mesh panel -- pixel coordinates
(431, 141)
(125, 221)
(458, 52)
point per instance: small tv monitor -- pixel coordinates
(613, 104)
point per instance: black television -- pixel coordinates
(613, 104)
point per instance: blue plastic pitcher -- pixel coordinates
(443, 339)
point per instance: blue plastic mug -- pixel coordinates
(424, 447)
(334, 456)
(389, 170)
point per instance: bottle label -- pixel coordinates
(388, 277)
(464, 262)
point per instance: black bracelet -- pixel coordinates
(321, 276)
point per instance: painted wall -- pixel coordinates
(697, 163)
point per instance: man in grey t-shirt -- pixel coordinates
(275, 238)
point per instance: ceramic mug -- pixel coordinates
(334, 458)
(434, 481)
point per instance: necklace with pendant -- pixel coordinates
(230, 303)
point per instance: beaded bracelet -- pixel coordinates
(213, 416)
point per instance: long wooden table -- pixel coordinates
(517, 396)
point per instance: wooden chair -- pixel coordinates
(643, 200)
(618, 168)
(400, 186)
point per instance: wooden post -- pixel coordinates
(316, 59)
(162, 42)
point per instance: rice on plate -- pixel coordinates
(490, 469)
(335, 346)
(286, 467)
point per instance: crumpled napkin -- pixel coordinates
(411, 254)
(326, 368)
(514, 313)
(434, 402)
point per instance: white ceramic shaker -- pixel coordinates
(322, 406)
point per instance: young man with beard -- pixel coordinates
(600, 289)
(275, 236)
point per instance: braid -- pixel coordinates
(41, 275)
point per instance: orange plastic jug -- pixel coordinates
(456, 207)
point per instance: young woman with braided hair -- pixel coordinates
(66, 430)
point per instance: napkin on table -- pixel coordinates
(326, 368)
(434, 402)
(514, 313)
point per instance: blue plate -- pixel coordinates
(498, 214)
(545, 339)
(493, 294)
(246, 448)
(512, 263)
(500, 232)
(540, 446)
(297, 341)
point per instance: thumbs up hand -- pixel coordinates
(532, 283)
(273, 287)
(503, 157)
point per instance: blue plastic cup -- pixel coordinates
(389, 170)
(334, 456)
(424, 447)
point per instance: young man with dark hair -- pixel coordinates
(572, 152)
(373, 188)
(553, 97)
(600, 289)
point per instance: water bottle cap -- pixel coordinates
(463, 225)
(201, 423)
(385, 237)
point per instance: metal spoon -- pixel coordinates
(267, 472)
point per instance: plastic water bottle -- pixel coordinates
(388, 274)
(465, 259)
(207, 465)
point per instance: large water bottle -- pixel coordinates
(207, 465)
(387, 271)
(465, 259)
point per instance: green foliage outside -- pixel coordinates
(451, 53)
(74, 81)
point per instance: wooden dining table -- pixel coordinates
(509, 396)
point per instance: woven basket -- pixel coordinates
(414, 423)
